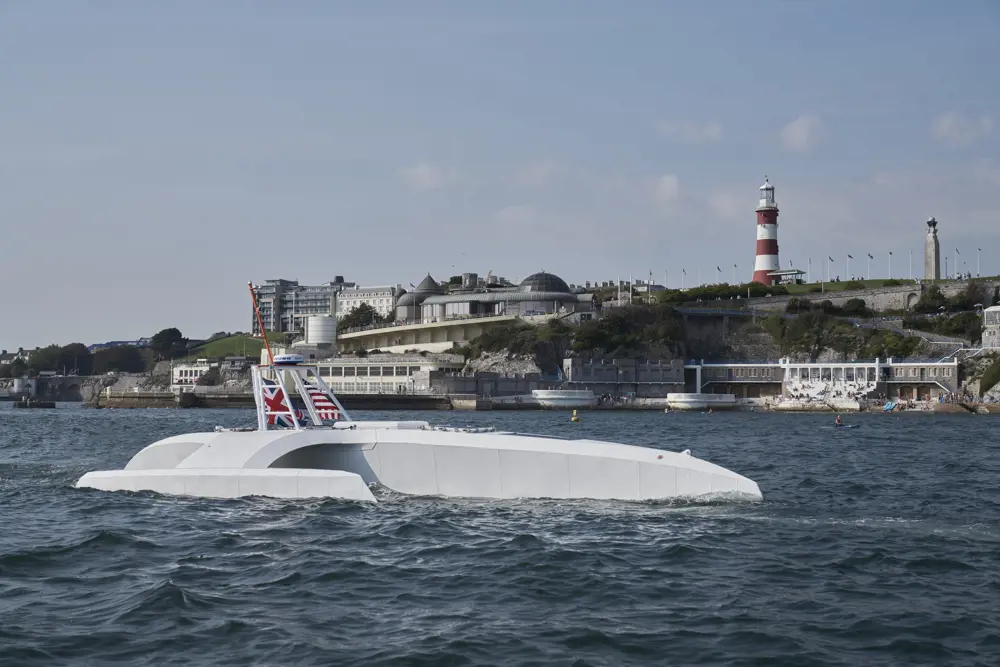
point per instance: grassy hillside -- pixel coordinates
(231, 346)
(845, 285)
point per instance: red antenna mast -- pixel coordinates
(260, 322)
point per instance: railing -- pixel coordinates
(394, 325)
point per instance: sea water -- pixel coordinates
(878, 545)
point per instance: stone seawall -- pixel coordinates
(901, 297)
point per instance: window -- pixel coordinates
(362, 371)
(387, 371)
(400, 371)
(414, 369)
(349, 371)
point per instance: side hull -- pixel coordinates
(229, 483)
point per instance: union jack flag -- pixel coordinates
(274, 405)
(325, 408)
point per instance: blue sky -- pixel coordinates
(156, 156)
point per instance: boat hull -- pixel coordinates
(422, 461)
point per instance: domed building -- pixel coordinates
(539, 294)
(408, 305)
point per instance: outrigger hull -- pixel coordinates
(418, 459)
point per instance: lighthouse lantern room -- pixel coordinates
(766, 261)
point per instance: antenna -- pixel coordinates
(260, 322)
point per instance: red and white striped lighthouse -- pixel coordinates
(767, 236)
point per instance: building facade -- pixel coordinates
(624, 377)
(902, 379)
(187, 374)
(285, 304)
(381, 299)
(538, 294)
(991, 327)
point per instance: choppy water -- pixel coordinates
(875, 546)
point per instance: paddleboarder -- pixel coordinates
(840, 421)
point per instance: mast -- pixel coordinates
(260, 322)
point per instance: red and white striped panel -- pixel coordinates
(325, 408)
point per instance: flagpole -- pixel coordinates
(809, 270)
(869, 266)
(890, 265)
(979, 251)
(911, 263)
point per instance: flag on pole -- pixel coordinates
(717, 268)
(870, 256)
(850, 257)
(279, 412)
(829, 258)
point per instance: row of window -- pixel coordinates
(368, 371)
(739, 372)
(914, 371)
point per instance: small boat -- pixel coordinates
(288, 360)
(311, 447)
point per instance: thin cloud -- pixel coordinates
(803, 133)
(666, 192)
(958, 130)
(425, 176)
(537, 174)
(690, 132)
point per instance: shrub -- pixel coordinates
(854, 284)
(990, 377)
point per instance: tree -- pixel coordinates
(75, 357)
(211, 378)
(17, 368)
(4, 370)
(168, 344)
(856, 308)
(930, 301)
(123, 359)
(362, 316)
(46, 358)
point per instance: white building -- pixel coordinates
(377, 373)
(991, 327)
(187, 374)
(381, 298)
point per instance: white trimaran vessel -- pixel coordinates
(319, 451)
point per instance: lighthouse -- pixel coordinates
(767, 236)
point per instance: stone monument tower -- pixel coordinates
(932, 252)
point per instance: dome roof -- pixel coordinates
(429, 286)
(543, 282)
(409, 299)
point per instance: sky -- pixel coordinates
(154, 157)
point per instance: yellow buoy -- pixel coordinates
(574, 418)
